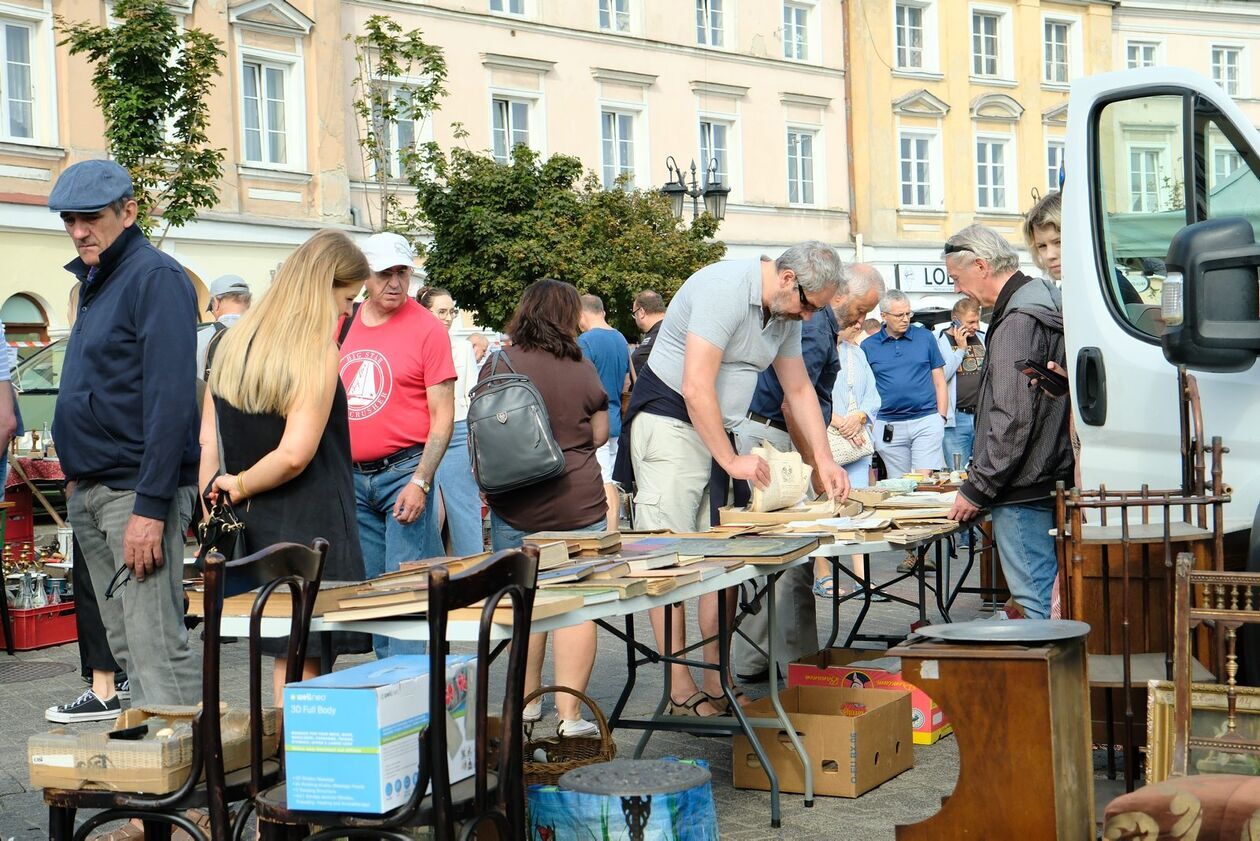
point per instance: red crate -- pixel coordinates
(19, 524)
(41, 627)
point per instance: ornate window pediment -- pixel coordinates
(271, 15)
(1056, 116)
(920, 103)
(997, 107)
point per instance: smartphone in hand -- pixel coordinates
(1051, 382)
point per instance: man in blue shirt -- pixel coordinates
(609, 352)
(770, 419)
(914, 399)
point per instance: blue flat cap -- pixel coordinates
(90, 186)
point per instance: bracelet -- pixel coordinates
(240, 484)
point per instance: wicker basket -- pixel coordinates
(564, 753)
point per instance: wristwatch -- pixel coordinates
(423, 484)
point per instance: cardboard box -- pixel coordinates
(821, 511)
(836, 667)
(74, 759)
(351, 738)
(856, 739)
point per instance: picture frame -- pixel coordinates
(1209, 708)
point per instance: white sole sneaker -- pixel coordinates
(580, 729)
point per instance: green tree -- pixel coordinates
(152, 82)
(398, 83)
(499, 227)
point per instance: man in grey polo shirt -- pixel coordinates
(728, 323)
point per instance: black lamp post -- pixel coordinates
(711, 190)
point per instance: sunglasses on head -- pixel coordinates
(956, 249)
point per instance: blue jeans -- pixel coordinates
(1022, 534)
(958, 439)
(386, 542)
(503, 536)
(461, 497)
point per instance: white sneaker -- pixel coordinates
(532, 711)
(579, 729)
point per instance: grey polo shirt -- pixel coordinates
(721, 304)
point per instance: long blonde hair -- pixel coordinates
(278, 351)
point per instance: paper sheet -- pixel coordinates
(789, 480)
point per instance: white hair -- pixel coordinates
(816, 265)
(978, 242)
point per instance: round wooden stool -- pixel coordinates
(636, 782)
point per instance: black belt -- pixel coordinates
(970, 411)
(773, 424)
(381, 463)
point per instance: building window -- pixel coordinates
(709, 23)
(398, 136)
(1145, 169)
(991, 180)
(508, 7)
(1054, 163)
(1055, 47)
(715, 146)
(617, 142)
(1140, 54)
(264, 112)
(614, 15)
(984, 43)
(1225, 162)
(916, 170)
(796, 31)
(800, 155)
(509, 126)
(909, 36)
(1225, 68)
(18, 90)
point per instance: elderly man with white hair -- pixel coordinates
(1021, 446)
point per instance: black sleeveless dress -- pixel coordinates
(318, 502)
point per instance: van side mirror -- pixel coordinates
(1211, 296)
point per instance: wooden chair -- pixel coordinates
(208, 786)
(1220, 805)
(494, 796)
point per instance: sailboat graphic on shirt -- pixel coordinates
(368, 381)
(362, 391)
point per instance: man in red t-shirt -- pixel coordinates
(399, 377)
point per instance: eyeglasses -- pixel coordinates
(806, 304)
(121, 577)
(897, 315)
(634, 313)
(447, 313)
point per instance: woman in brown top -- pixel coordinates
(544, 348)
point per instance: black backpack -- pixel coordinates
(509, 433)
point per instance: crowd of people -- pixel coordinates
(315, 415)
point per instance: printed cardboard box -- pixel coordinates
(856, 739)
(351, 738)
(836, 667)
(74, 759)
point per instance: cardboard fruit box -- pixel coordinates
(856, 739)
(75, 759)
(836, 667)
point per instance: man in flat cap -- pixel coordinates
(126, 430)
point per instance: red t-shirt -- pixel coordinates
(386, 370)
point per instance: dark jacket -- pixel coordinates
(822, 363)
(1021, 446)
(126, 412)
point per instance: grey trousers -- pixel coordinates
(144, 620)
(795, 606)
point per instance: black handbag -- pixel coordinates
(509, 433)
(222, 531)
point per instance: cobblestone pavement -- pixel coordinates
(742, 814)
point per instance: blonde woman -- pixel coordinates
(280, 411)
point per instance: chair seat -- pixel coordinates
(1107, 670)
(272, 806)
(1200, 806)
(236, 784)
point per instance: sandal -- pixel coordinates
(723, 706)
(825, 587)
(690, 707)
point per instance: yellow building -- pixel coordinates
(958, 115)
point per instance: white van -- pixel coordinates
(1150, 153)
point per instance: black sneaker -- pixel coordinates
(87, 707)
(123, 690)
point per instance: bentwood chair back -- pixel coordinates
(208, 787)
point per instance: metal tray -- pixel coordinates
(1015, 631)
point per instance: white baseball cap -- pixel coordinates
(386, 250)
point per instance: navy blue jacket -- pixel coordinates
(126, 411)
(822, 362)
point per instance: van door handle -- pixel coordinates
(1091, 386)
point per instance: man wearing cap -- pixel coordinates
(126, 430)
(399, 376)
(229, 299)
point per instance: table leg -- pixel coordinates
(666, 682)
(866, 602)
(921, 571)
(771, 582)
(835, 603)
(942, 582)
(632, 670)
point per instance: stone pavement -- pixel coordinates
(742, 814)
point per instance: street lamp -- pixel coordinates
(677, 189)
